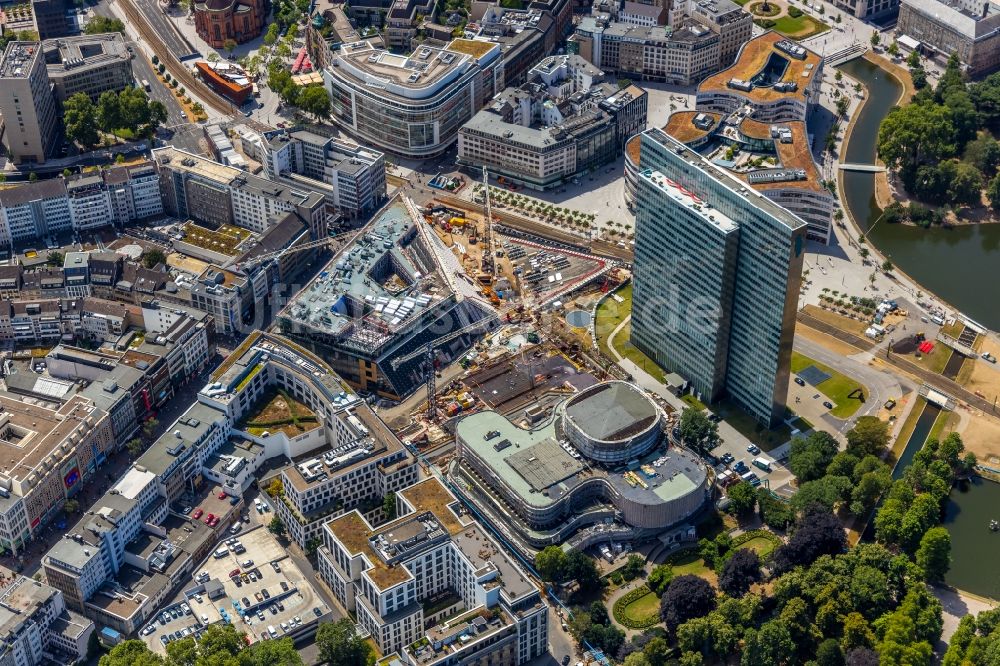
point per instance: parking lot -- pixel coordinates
(269, 591)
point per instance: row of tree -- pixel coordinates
(223, 645)
(129, 113)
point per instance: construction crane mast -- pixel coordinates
(489, 263)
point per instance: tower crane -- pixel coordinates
(429, 349)
(488, 263)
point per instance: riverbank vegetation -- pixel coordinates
(943, 148)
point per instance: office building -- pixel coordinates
(525, 36)
(401, 22)
(729, 21)
(417, 103)
(52, 18)
(969, 29)
(564, 481)
(774, 157)
(31, 126)
(564, 122)
(682, 54)
(196, 187)
(351, 178)
(36, 628)
(717, 273)
(48, 456)
(777, 79)
(394, 290)
(89, 64)
(388, 575)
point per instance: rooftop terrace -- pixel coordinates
(764, 63)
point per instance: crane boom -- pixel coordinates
(262, 258)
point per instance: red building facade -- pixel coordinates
(238, 20)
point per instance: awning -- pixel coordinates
(908, 42)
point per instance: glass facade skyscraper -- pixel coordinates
(717, 273)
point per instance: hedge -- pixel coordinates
(619, 609)
(795, 12)
(753, 534)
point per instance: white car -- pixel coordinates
(148, 630)
(235, 529)
(204, 618)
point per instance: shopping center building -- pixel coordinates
(596, 466)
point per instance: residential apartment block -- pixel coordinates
(717, 273)
(564, 122)
(196, 187)
(729, 21)
(351, 178)
(80, 203)
(387, 575)
(36, 627)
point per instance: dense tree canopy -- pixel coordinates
(686, 597)
(339, 644)
(697, 430)
(810, 456)
(740, 572)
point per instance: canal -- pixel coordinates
(958, 263)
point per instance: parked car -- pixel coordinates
(828, 404)
(800, 381)
(209, 518)
(753, 449)
(222, 494)
(197, 513)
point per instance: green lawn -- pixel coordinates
(643, 608)
(798, 28)
(689, 562)
(752, 429)
(762, 546)
(938, 359)
(837, 388)
(693, 402)
(609, 315)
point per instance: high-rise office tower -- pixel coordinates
(717, 273)
(27, 104)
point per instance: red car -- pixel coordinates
(234, 573)
(214, 521)
(222, 494)
(197, 514)
(209, 518)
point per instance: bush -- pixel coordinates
(795, 12)
(767, 24)
(619, 610)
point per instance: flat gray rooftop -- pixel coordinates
(544, 464)
(610, 411)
